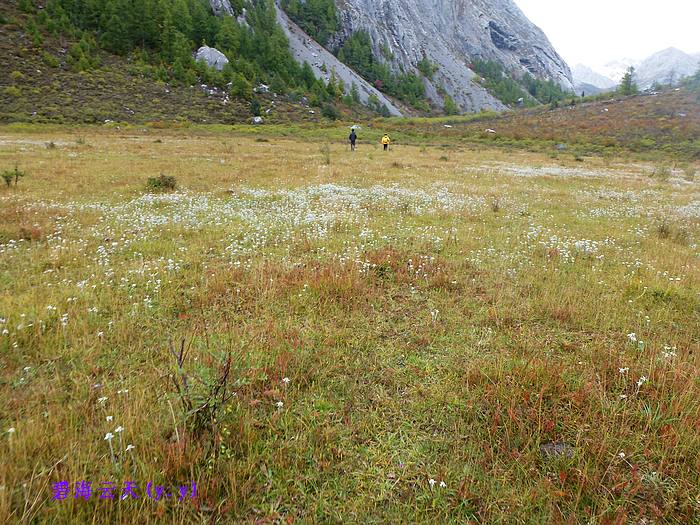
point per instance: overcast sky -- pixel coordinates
(593, 32)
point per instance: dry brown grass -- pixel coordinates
(425, 334)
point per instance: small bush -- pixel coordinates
(12, 175)
(427, 68)
(49, 59)
(13, 91)
(203, 397)
(689, 173)
(330, 112)
(663, 173)
(161, 183)
(668, 230)
(326, 152)
(16, 75)
(26, 6)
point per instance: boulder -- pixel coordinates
(213, 57)
(257, 120)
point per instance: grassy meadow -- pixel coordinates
(437, 334)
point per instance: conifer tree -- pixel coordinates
(628, 85)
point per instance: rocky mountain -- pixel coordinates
(589, 81)
(323, 62)
(449, 33)
(666, 67)
(452, 33)
(616, 69)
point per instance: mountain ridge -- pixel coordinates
(667, 66)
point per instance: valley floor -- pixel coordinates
(432, 334)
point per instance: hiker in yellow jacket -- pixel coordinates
(386, 141)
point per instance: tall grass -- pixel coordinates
(497, 337)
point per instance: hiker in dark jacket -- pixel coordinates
(353, 139)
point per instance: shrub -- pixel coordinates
(689, 173)
(663, 173)
(330, 112)
(241, 88)
(16, 75)
(204, 395)
(9, 175)
(26, 6)
(13, 91)
(161, 183)
(49, 59)
(255, 108)
(450, 106)
(426, 67)
(326, 152)
(668, 230)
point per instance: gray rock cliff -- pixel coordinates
(451, 33)
(221, 7)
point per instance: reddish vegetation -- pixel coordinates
(669, 121)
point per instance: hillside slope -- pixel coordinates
(667, 123)
(34, 91)
(41, 83)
